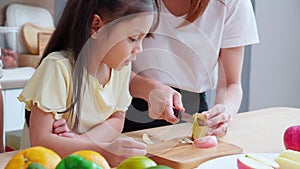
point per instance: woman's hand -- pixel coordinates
(162, 101)
(218, 119)
(161, 98)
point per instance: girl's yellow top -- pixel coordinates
(51, 89)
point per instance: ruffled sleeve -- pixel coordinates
(50, 86)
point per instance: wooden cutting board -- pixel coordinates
(167, 149)
(185, 156)
(32, 36)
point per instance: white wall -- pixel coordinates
(275, 62)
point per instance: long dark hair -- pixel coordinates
(74, 29)
(196, 10)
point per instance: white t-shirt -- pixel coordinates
(187, 57)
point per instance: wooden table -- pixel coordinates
(255, 131)
(262, 130)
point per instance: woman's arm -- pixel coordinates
(161, 98)
(41, 133)
(229, 90)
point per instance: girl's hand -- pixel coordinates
(218, 119)
(122, 148)
(161, 103)
(126, 146)
(61, 128)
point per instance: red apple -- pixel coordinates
(255, 161)
(292, 138)
(206, 142)
(248, 163)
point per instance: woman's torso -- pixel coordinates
(187, 57)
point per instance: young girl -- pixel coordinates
(84, 78)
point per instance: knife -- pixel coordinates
(188, 117)
(183, 116)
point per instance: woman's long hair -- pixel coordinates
(74, 29)
(196, 10)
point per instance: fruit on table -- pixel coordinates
(38, 154)
(199, 127)
(159, 167)
(288, 159)
(94, 157)
(75, 161)
(256, 161)
(136, 162)
(291, 138)
(210, 141)
(35, 166)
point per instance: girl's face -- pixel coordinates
(125, 41)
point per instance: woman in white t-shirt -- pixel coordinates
(198, 46)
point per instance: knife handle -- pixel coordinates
(176, 112)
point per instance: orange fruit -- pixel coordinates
(94, 157)
(37, 154)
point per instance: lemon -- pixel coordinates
(38, 154)
(136, 162)
(94, 157)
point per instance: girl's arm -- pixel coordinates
(229, 90)
(41, 133)
(111, 129)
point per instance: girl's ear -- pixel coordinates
(96, 25)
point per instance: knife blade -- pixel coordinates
(183, 116)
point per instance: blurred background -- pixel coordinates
(271, 72)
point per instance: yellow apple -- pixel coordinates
(288, 159)
(285, 163)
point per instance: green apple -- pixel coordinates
(136, 162)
